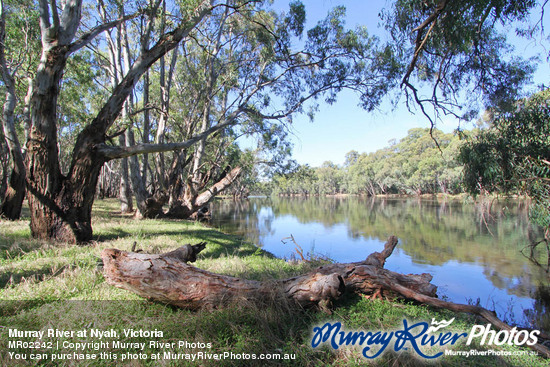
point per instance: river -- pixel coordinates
(473, 252)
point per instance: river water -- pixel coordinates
(473, 252)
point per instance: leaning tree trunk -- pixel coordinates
(168, 278)
(193, 202)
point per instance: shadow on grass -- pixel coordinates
(36, 275)
(218, 244)
(111, 235)
(16, 244)
(12, 308)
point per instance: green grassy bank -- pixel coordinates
(46, 286)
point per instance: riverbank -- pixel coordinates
(439, 196)
(60, 287)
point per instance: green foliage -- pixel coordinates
(302, 180)
(513, 155)
(414, 165)
(329, 178)
(296, 18)
(461, 56)
(362, 65)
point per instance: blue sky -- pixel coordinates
(344, 126)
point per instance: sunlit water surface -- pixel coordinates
(474, 253)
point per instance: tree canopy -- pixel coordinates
(414, 165)
(512, 155)
(236, 67)
(457, 57)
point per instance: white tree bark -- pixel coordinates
(15, 193)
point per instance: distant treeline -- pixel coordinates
(414, 165)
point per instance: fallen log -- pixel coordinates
(168, 278)
(186, 253)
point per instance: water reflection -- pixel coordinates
(473, 252)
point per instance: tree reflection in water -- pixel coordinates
(472, 250)
(540, 313)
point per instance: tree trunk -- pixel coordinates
(148, 206)
(125, 194)
(49, 195)
(211, 77)
(146, 127)
(4, 165)
(165, 87)
(193, 202)
(175, 182)
(117, 48)
(12, 201)
(14, 195)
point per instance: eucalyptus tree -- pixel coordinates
(241, 66)
(329, 178)
(455, 55)
(18, 45)
(361, 175)
(60, 204)
(117, 64)
(124, 45)
(274, 80)
(513, 155)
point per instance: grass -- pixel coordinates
(57, 286)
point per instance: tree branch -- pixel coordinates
(205, 197)
(111, 152)
(167, 42)
(421, 42)
(55, 16)
(87, 37)
(44, 12)
(70, 20)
